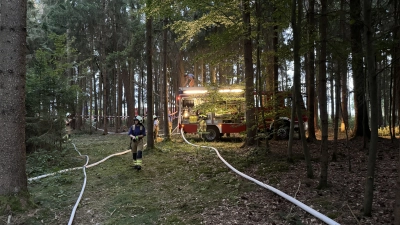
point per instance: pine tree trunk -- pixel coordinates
(91, 99)
(139, 90)
(337, 108)
(249, 74)
(396, 72)
(323, 182)
(332, 89)
(343, 76)
(360, 128)
(397, 191)
(104, 71)
(128, 86)
(149, 66)
(296, 24)
(79, 114)
(118, 124)
(372, 78)
(167, 132)
(13, 177)
(311, 72)
(96, 104)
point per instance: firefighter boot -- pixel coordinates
(134, 163)
(138, 165)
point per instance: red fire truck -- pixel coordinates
(214, 112)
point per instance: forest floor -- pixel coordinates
(182, 184)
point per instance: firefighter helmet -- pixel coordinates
(139, 118)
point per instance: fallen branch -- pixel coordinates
(294, 197)
(358, 222)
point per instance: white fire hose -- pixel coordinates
(313, 212)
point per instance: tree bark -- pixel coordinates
(104, 70)
(361, 126)
(372, 78)
(311, 72)
(322, 92)
(149, 56)
(396, 8)
(337, 109)
(296, 24)
(118, 119)
(249, 76)
(13, 179)
(397, 191)
(343, 75)
(167, 132)
(128, 87)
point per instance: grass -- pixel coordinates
(177, 185)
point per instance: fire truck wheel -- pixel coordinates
(212, 134)
(283, 132)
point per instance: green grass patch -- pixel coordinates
(177, 184)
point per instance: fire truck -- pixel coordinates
(215, 112)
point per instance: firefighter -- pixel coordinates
(189, 80)
(202, 123)
(137, 132)
(68, 127)
(156, 127)
(170, 120)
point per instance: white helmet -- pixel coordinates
(68, 114)
(139, 118)
(155, 117)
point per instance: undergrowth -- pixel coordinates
(177, 183)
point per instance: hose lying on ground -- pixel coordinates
(276, 191)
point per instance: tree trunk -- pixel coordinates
(292, 118)
(356, 28)
(96, 104)
(311, 72)
(149, 51)
(91, 97)
(79, 115)
(13, 177)
(322, 92)
(167, 132)
(203, 73)
(118, 119)
(296, 24)
(128, 86)
(249, 74)
(385, 92)
(332, 87)
(343, 75)
(372, 78)
(275, 79)
(397, 191)
(396, 70)
(337, 108)
(104, 70)
(94, 89)
(397, 65)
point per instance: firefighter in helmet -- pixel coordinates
(137, 132)
(156, 127)
(202, 123)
